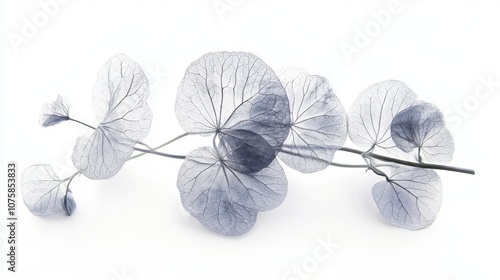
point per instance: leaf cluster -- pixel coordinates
(256, 119)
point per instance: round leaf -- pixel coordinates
(411, 199)
(422, 126)
(318, 122)
(227, 91)
(223, 199)
(44, 193)
(371, 115)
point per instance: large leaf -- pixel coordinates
(318, 122)
(411, 198)
(44, 193)
(223, 199)
(422, 126)
(371, 115)
(120, 106)
(54, 112)
(225, 92)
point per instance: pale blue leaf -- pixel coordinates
(44, 193)
(245, 151)
(120, 106)
(223, 199)
(68, 203)
(371, 115)
(422, 127)
(318, 122)
(54, 112)
(411, 199)
(225, 92)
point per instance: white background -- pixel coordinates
(134, 227)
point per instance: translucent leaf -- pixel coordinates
(69, 204)
(371, 115)
(44, 193)
(422, 126)
(266, 115)
(318, 122)
(120, 106)
(411, 199)
(223, 199)
(245, 151)
(226, 91)
(102, 153)
(54, 112)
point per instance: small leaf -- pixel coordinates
(371, 115)
(422, 126)
(318, 122)
(225, 92)
(44, 193)
(68, 203)
(223, 199)
(411, 199)
(54, 112)
(120, 105)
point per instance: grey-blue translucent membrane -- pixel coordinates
(318, 122)
(422, 126)
(371, 115)
(54, 112)
(68, 203)
(120, 106)
(43, 192)
(245, 151)
(411, 199)
(223, 199)
(226, 91)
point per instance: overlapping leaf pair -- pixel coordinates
(238, 99)
(388, 116)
